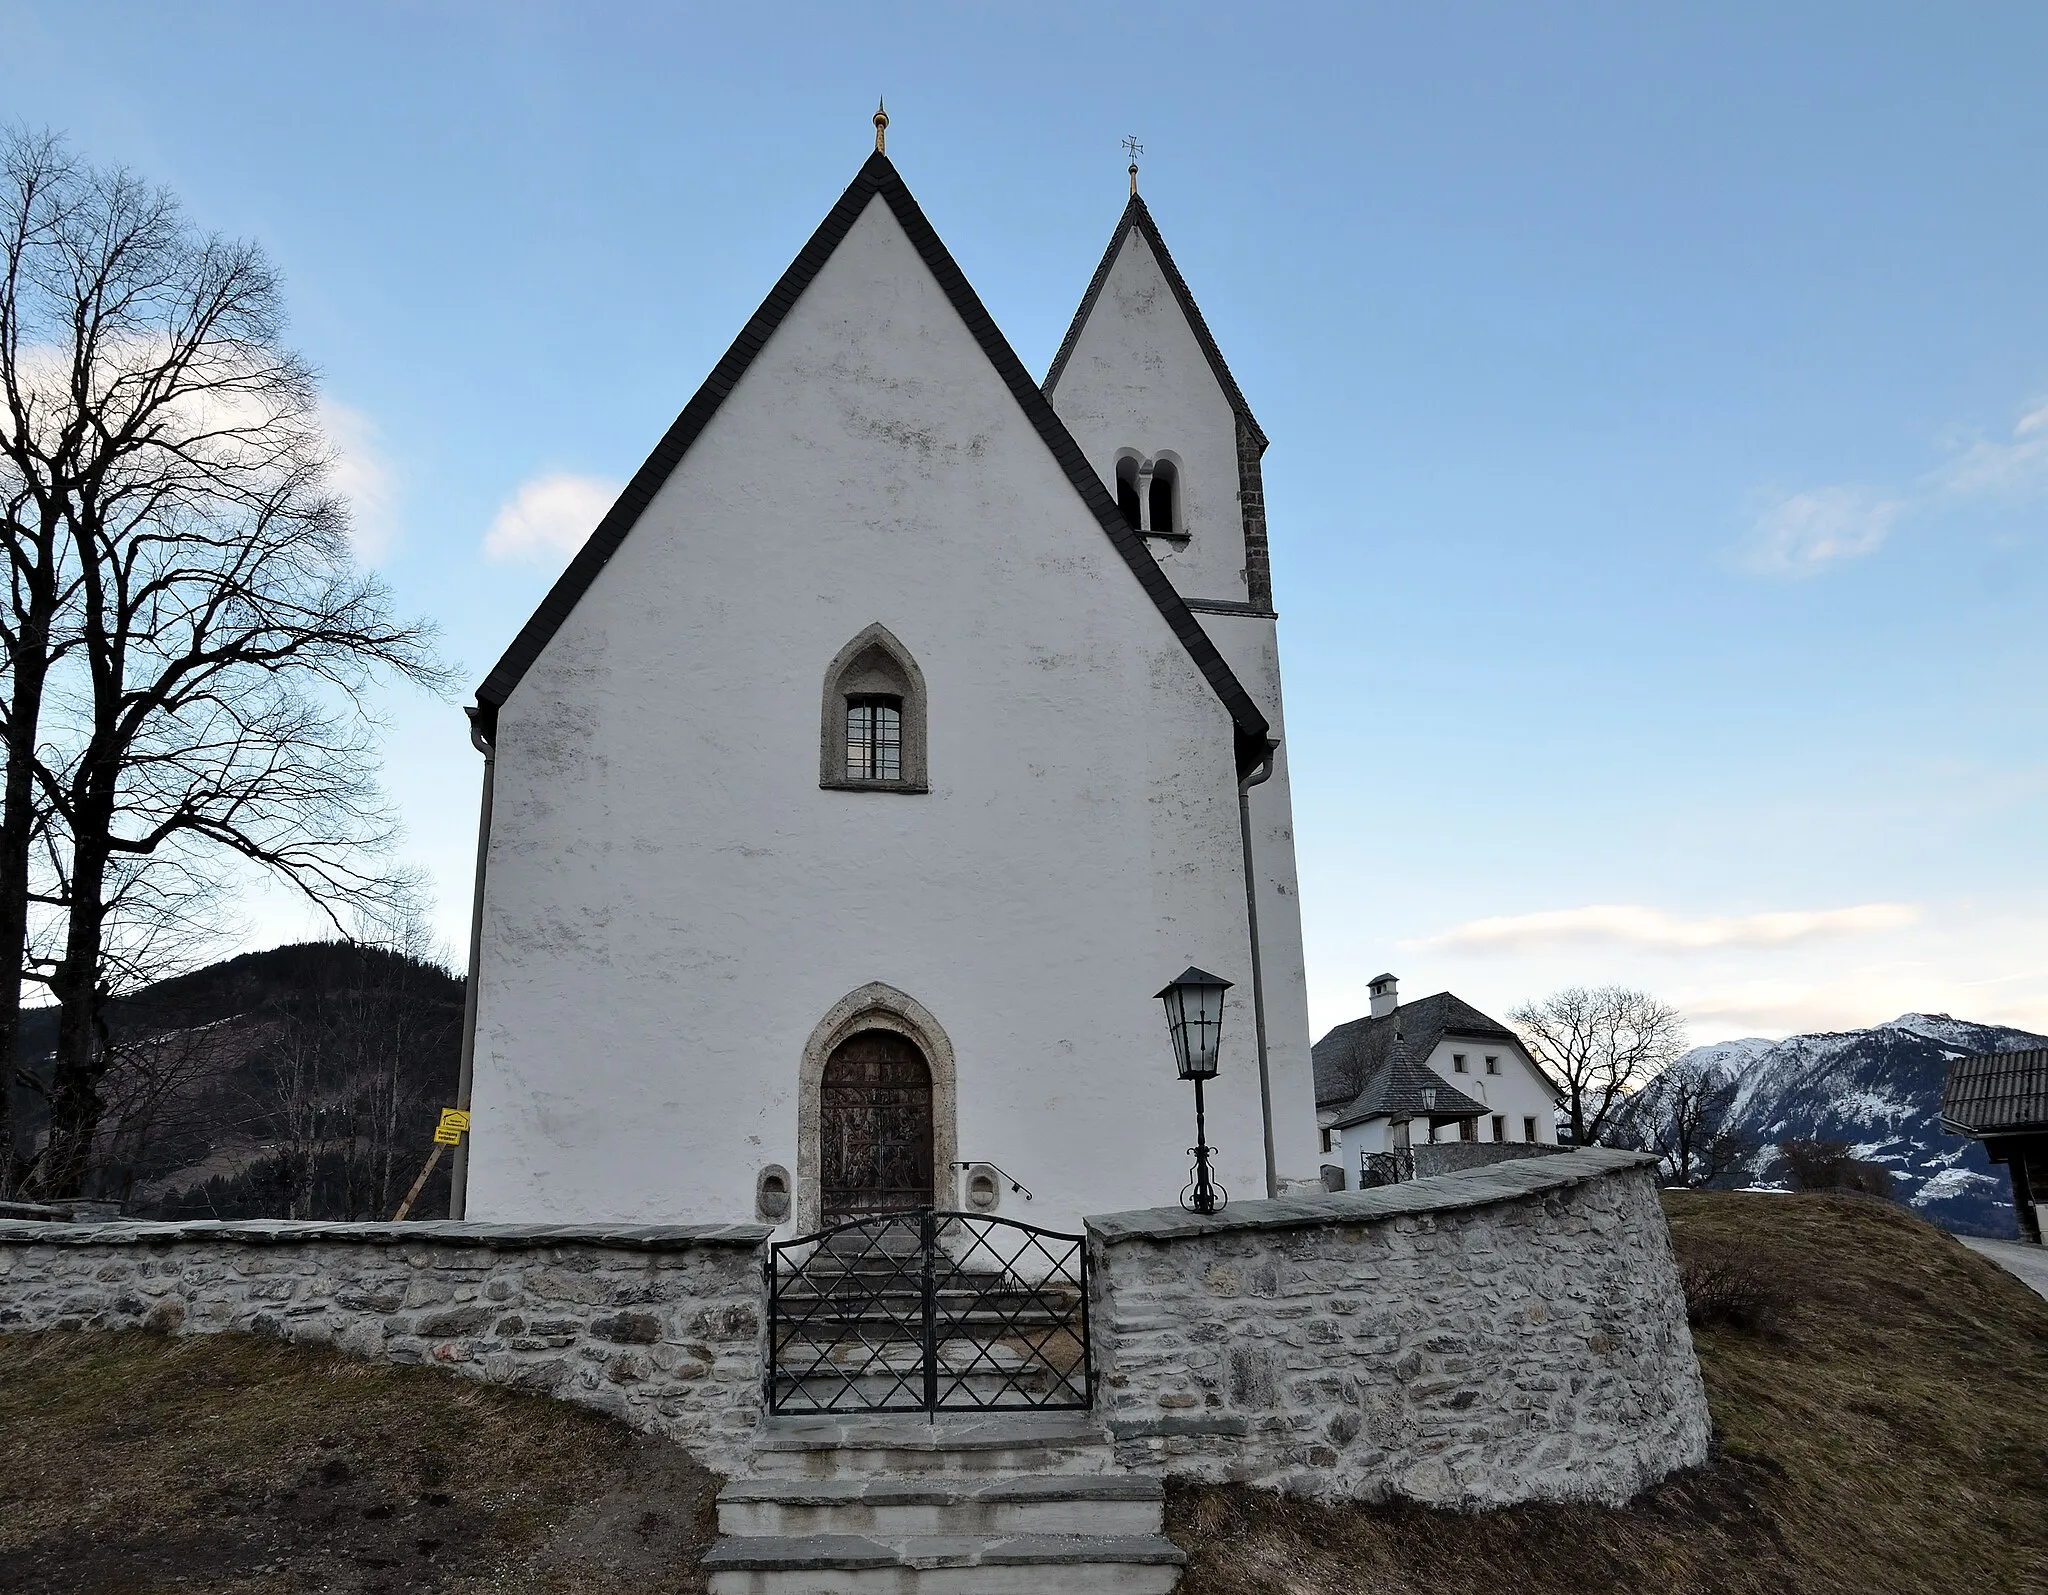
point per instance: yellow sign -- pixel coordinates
(454, 1121)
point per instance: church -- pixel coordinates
(902, 729)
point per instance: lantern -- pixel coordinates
(1194, 1018)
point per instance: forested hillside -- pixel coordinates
(301, 1082)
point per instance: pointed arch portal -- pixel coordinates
(876, 1104)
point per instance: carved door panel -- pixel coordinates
(875, 1127)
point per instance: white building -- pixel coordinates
(870, 769)
(1421, 1072)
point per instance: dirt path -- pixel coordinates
(2028, 1264)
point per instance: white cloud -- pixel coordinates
(2017, 466)
(237, 418)
(362, 477)
(1819, 996)
(547, 520)
(1807, 532)
(1804, 534)
(1652, 929)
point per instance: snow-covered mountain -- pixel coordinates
(1880, 1091)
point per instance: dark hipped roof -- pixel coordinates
(876, 177)
(1136, 215)
(1402, 1088)
(1997, 1093)
(1348, 1057)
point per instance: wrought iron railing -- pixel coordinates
(928, 1311)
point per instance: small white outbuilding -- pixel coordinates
(903, 728)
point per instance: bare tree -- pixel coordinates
(1683, 1115)
(45, 454)
(351, 1084)
(1600, 1044)
(219, 641)
(151, 1089)
(1821, 1164)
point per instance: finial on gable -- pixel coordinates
(882, 129)
(1134, 149)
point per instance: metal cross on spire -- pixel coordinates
(1134, 149)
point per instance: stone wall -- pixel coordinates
(660, 1327)
(1497, 1335)
(1440, 1157)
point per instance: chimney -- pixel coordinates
(1386, 995)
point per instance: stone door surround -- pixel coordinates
(875, 1006)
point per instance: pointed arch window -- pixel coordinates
(872, 730)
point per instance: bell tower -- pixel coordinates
(1142, 386)
(1147, 395)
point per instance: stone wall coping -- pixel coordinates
(1436, 1193)
(426, 1232)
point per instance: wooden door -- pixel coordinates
(875, 1127)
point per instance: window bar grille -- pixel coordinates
(874, 740)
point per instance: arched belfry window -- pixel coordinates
(872, 732)
(1164, 520)
(1128, 497)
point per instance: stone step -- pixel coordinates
(906, 1300)
(914, 1446)
(944, 1564)
(907, 1356)
(823, 1317)
(845, 1393)
(823, 1398)
(1114, 1505)
(876, 1362)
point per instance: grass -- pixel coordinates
(1880, 1395)
(237, 1466)
(1882, 1427)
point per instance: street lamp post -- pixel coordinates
(1194, 1019)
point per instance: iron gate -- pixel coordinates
(928, 1311)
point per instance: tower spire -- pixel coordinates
(882, 129)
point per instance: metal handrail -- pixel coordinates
(1016, 1184)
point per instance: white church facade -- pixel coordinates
(902, 729)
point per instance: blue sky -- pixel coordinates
(1659, 397)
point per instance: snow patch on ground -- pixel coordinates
(1949, 1183)
(1875, 1105)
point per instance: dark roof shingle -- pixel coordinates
(1348, 1057)
(1997, 1093)
(1403, 1088)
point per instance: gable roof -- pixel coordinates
(1136, 215)
(1997, 1093)
(877, 177)
(1404, 1089)
(1347, 1058)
